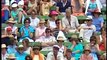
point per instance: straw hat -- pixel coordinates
(11, 56)
(11, 20)
(3, 46)
(60, 38)
(14, 5)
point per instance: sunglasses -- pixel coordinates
(35, 49)
(60, 41)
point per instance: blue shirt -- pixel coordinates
(97, 22)
(63, 8)
(26, 31)
(11, 49)
(20, 56)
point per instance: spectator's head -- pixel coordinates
(96, 14)
(68, 53)
(89, 21)
(27, 22)
(60, 40)
(20, 48)
(13, 41)
(21, 4)
(68, 13)
(57, 22)
(41, 23)
(14, 6)
(33, 13)
(36, 49)
(25, 42)
(48, 31)
(11, 57)
(55, 49)
(93, 40)
(74, 40)
(28, 57)
(87, 50)
(9, 30)
(4, 48)
(11, 22)
(53, 14)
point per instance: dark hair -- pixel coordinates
(93, 38)
(68, 50)
(28, 56)
(48, 29)
(57, 21)
(34, 11)
(74, 39)
(26, 20)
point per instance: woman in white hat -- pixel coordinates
(4, 52)
(62, 48)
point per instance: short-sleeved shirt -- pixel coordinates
(26, 31)
(14, 14)
(97, 22)
(63, 7)
(20, 56)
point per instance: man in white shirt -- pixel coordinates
(55, 54)
(87, 30)
(70, 22)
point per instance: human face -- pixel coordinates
(36, 50)
(68, 14)
(3, 50)
(60, 42)
(27, 23)
(54, 17)
(89, 22)
(55, 50)
(87, 52)
(48, 32)
(96, 15)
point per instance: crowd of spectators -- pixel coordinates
(51, 34)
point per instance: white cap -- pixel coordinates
(14, 5)
(21, 3)
(20, 46)
(90, 17)
(56, 46)
(3, 46)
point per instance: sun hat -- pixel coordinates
(11, 56)
(56, 46)
(11, 20)
(60, 38)
(53, 13)
(14, 5)
(20, 3)
(3, 46)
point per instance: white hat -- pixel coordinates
(14, 5)
(3, 46)
(56, 46)
(20, 46)
(21, 3)
(61, 38)
(11, 56)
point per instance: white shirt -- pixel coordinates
(88, 33)
(62, 49)
(50, 56)
(28, 50)
(4, 56)
(52, 24)
(34, 22)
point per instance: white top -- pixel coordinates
(62, 49)
(13, 29)
(4, 56)
(34, 22)
(73, 22)
(88, 33)
(28, 50)
(50, 56)
(52, 24)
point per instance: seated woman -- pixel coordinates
(27, 31)
(35, 53)
(68, 55)
(76, 48)
(47, 40)
(86, 55)
(92, 5)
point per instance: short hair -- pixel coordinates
(93, 38)
(48, 29)
(35, 11)
(26, 20)
(69, 10)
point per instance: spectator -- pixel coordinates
(20, 53)
(68, 55)
(70, 22)
(87, 30)
(22, 13)
(40, 30)
(86, 55)
(53, 15)
(10, 23)
(98, 22)
(27, 48)
(62, 6)
(62, 48)
(92, 5)
(94, 48)
(4, 51)
(77, 7)
(76, 48)
(55, 54)
(15, 12)
(103, 57)
(28, 57)
(27, 31)
(34, 19)
(47, 41)
(11, 49)
(35, 54)
(45, 7)
(11, 57)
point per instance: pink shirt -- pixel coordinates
(84, 57)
